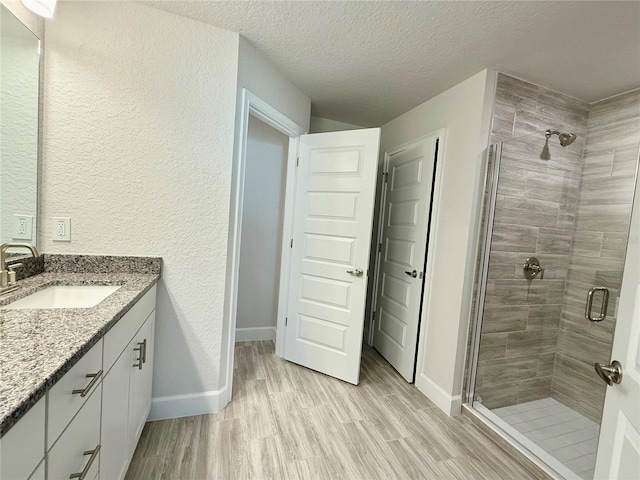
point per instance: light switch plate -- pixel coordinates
(22, 227)
(61, 229)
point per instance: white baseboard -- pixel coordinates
(449, 404)
(255, 333)
(177, 406)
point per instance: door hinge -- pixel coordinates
(380, 247)
(286, 321)
(386, 176)
(297, 161)
(291, 243)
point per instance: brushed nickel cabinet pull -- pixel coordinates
(85, 470)
(141, 351)
(95, 377)
(144, 350)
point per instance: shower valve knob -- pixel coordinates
(531, 268)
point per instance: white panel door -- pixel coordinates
(619, 444)
(405, 222)
(335, 190)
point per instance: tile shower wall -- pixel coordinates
(535, 216)
(602, 225)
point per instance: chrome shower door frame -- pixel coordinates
(493, 174)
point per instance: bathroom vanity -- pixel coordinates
(76, 382)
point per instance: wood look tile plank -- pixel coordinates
(181, 458)
(415, 459)
(342, 460)
(222, 450)
(310, 469)
(289, 422)
(276, 375)
(377, 458)
(268, 457)
(298, 438)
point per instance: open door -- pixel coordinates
(619, 444)
(403, 249)
(334, 197)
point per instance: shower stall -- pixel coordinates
(555, 227)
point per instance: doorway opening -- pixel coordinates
(262, 228)
(262, 129)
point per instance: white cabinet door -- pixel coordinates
(140, 378)
(619, 444)
(71, 452)
(23, 446)
(403, 249)
(115, 412)
(335, 189)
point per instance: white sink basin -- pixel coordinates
(64, 296)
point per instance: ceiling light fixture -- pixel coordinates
(44, 8)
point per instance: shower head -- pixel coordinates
(565, 139)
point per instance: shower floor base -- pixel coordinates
(565, 434)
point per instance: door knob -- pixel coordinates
(357, 272)
(610, 373)
(413, 274)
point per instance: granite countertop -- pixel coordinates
(38, 346)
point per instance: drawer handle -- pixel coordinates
(142, 349)
(85, 391)
(85, 470)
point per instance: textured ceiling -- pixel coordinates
(366, 62)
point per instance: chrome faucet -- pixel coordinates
(8, 274)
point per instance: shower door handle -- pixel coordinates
(603, 309)
(610, 373)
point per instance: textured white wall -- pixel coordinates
(262, 217)
(461, 110)
(19, 72)
(321, 125)
(138, 143)
(265, 80)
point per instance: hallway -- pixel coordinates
(286, 421)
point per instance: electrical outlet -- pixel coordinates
(22, 227)
(61, 229)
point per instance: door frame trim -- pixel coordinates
(251, 104)
(432, 226)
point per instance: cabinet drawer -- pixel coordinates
(122, 332)
(22, 448)
(63, 403)
(71, 452)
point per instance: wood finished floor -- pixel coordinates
(288, 422)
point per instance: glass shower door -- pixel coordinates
(556, 223)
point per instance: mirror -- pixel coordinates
(19, 90)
